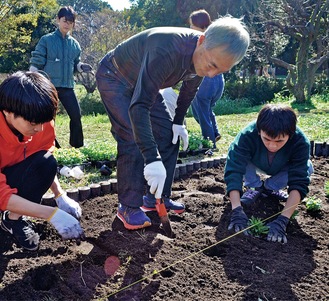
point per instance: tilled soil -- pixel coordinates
(204, 261)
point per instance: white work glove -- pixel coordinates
(66, 225)
(68, 205)
(33, 68)
(180, 130)
(84, 67)
(155, 175)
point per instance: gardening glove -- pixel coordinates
(66, 225)
(155, 175)
(83, 67)
(239, 220)
(33, 68)
(180, 130)
(68, 205)
(277, 229)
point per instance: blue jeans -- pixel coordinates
(116, 93)
(71, 105)
(275, 182)
(33, 176)
(210, 90)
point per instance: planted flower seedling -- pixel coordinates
(313, 204)
(258, 227)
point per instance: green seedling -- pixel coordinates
(69, 156)
(207, 143)
(99, 151)
(195, 141)
(313, 204)
(258, 227)
(326, 188)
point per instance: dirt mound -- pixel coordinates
(203, 262)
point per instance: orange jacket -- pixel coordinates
(12, 151)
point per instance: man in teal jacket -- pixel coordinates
(58, 54)
(275, 146)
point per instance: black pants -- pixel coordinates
(72, 107)
(33, 176)
(116, 94)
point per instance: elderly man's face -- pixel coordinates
(210, 62)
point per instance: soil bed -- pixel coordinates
(203, 262)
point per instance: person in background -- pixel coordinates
(58, 54)
(129, 79)
(210, 90)
(272, 145)
(28, 105)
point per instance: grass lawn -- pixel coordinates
(97, 128)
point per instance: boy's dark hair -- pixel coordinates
(200, 18)
(67, 12)
(276, 120)
(29, 95)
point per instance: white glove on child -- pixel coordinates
(180, 130)
(66, 225)
(155, 175)
(68, 205)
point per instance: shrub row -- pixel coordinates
(106, 151)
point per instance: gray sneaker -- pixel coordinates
(22, 230)
(250, 196)
(280, 195)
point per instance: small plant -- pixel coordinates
(258, 228)
(194, 141)
(313, 204)
(100, 151)
(69, 156)
(326, 188)
(207, 143)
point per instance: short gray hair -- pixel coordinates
(230, 32)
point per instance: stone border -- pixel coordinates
(110, 186)
(79, 194)
(319, 149)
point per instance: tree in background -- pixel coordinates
(19, 20)
(154, 13)
(85, 6)
(97, 34)
(306, 24)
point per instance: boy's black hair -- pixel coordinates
(29, 95)
(67, 12)
(276, 120)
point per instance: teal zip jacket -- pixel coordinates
(248, 146)
(58, 57)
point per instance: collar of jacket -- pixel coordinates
(58, 33)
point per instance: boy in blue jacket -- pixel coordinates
(58, 55)
(275, 146)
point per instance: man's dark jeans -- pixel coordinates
(210, 90)
(116, 94)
